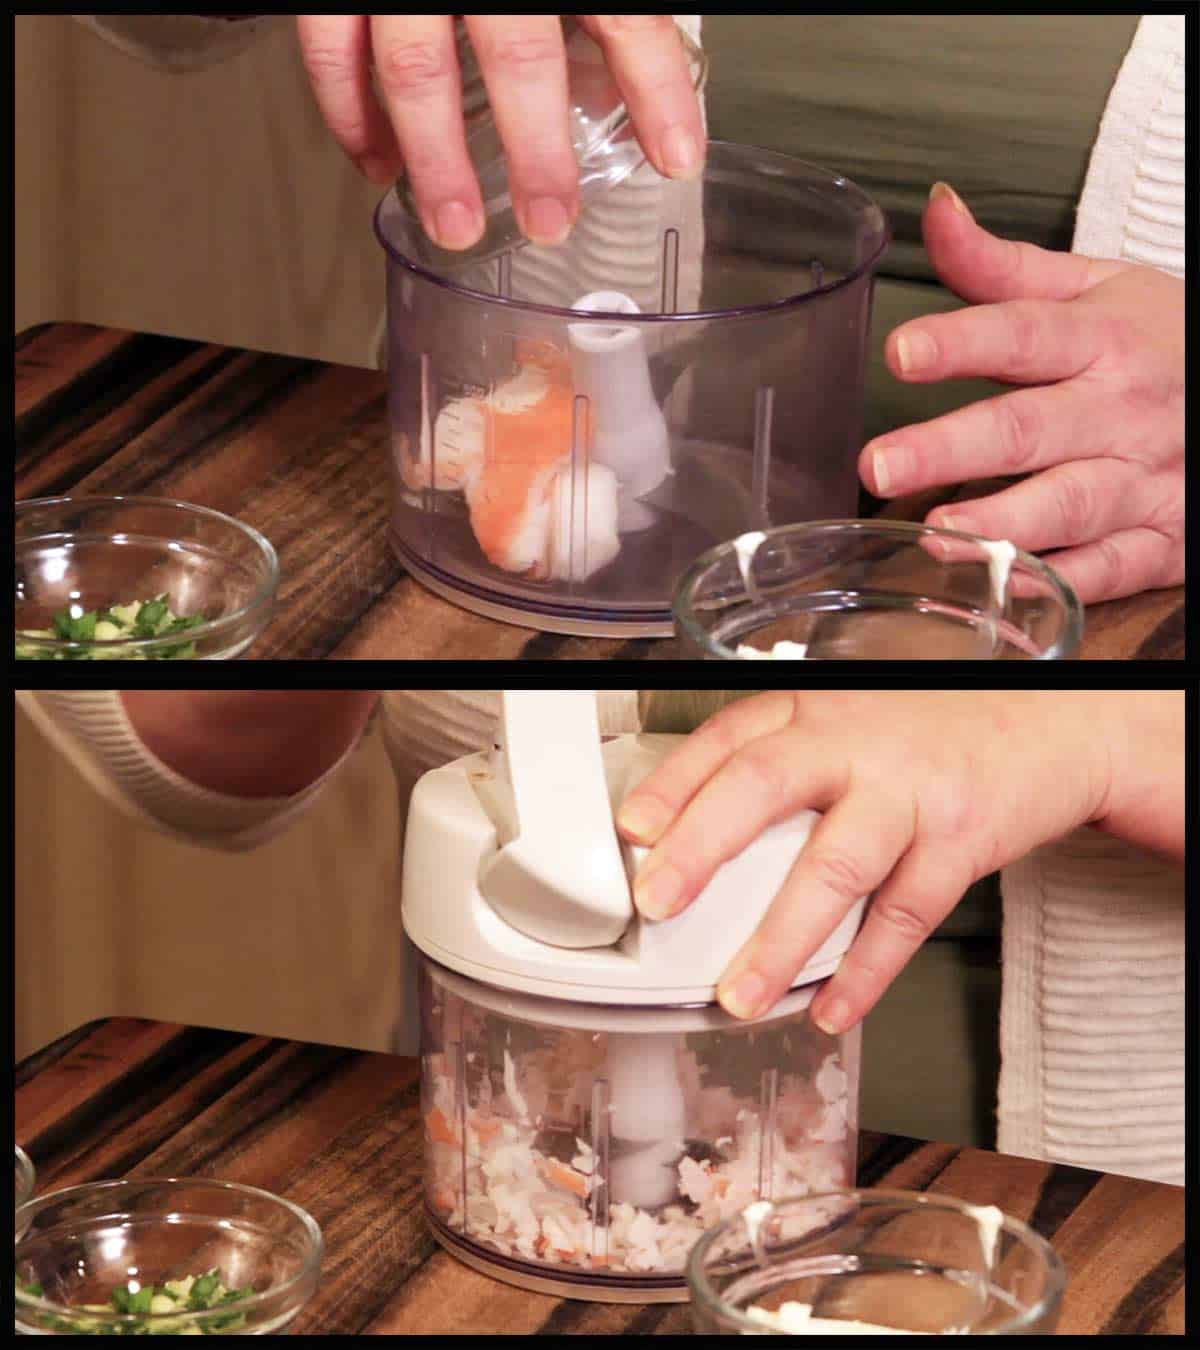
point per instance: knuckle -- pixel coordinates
(1018, 428)
(1122, 342)
(522, 54)
(764, 771)
(1167, 568)
(838, 871)
(1075, 506)
(1025, 338)
(910, 923)
(326, 65)
(413, 67)
(1111, 567)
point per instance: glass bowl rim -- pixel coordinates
(830, 178)
(28, 1176)
(263, 595)
(276, 1293)
(702, 1292)
(1065, 645)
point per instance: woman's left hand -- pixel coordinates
(1099, 426)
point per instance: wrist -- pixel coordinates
(1145, 731)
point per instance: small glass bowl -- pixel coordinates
(26, 1176)
(894, 1260)
(874, 591)
(93, 552)
(80, 1243)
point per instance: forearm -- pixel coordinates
(1145, 802)
(249, 743)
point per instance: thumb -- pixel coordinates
(983, 268)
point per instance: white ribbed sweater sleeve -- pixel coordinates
(92, 729)
(1092, 1020)
(1092, 1010)
(1132, 206)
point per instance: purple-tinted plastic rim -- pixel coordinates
(783, 164)
(584, 1279)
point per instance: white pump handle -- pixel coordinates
(560, 877)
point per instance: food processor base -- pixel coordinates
(544, 621)
(589, 1288)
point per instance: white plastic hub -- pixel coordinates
(521, 891)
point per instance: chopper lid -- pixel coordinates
(513, 873)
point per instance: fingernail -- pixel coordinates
(680, 153)
(746, 997)
(833, 1016)
(457, 225)
(948, 522)
(377, 170)
(940, 190)
(547, 220)
(891, 467)
(643, 821)
(656, 890)
(915, 351)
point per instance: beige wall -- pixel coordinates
(136, 187)
(300, 938)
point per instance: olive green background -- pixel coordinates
(1002, 107)
(1005, 108)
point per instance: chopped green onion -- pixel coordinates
(139, 619)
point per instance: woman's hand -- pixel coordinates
(420, 125)
(923, 793)
(1099, 425)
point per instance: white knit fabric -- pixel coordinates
(1132, 206)
(422, 729)
(1092, 1012)
(1092, 1009)
(92, 729)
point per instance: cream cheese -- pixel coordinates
(746, 546)
(781, 651)
(990, 1221)
(796, 1319)
(1000, 556)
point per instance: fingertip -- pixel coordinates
(831, 1014)
(642, 820)
(681, 154)
(914, 353)
(745, 997)
(457, 225)
(546, 221)
(943, 192)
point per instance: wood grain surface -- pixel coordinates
(338, 1132)
(298, 449)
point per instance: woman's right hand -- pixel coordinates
(923, 793)
(419, 125)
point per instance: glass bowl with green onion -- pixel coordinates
(137, 578)
(171, 1256)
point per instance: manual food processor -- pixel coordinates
(589, 1109)
(572, 426)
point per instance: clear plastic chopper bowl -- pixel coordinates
(571, 427)
(582, 1149)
